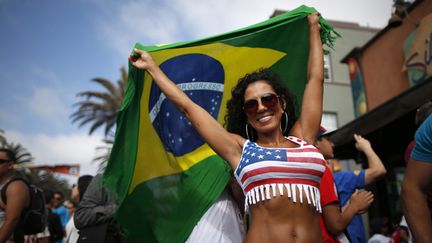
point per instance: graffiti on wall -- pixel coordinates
(357, 87)
(418, 52)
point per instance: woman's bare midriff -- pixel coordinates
(279, 219)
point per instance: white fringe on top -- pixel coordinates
(262, 193)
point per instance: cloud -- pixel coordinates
(45, 74)
(161, 21)
(138, 21)
(77, 148)
(158, 22)
(48, 104)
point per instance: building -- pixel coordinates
(338, 108)
(391, 77)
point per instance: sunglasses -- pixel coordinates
(268, 100)
(4, 161)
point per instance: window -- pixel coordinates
(327, 69)
(329, 121)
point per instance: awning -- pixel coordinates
(383, 115)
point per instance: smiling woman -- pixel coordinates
(280, 159)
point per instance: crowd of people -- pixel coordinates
(288, 185)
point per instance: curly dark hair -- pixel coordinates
(235, 119)
(9, 153)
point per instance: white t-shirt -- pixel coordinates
(71, 232)
(222, 223)
(378, 238)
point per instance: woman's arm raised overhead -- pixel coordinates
(225, 144)
(311, 111)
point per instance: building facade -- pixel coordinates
(391, 77)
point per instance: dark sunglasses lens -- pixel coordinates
(250, 106)
(3, 161)
(269, 100)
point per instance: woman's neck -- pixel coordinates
(271, 140)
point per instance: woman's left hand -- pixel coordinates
(313, 18)
(142, 60)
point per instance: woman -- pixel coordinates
(77, 193)
(284, 208)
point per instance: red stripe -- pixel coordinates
(306, 160)
(300, 150)
(280, 181)
(271, 169)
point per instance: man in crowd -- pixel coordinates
(18, 198)
(59, 208)
(347, 182)
(417, 182)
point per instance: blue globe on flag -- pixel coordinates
(201, 77)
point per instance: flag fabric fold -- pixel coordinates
(164, 174)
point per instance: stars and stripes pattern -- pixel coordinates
(294, 171)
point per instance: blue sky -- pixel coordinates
(50, 50)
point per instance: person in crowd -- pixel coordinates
(379, 230)
(421, 114)
(94, 217)
(417, 182)
(263, 134)
(77, 193)
(334, 220)
(405, 235)
(54, 232)
(71, 231)
(347, 182)
(18, 199)
(59, 208)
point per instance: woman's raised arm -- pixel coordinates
(311, 111)
(225, 144)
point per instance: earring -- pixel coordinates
(247, 132)
(286, 123)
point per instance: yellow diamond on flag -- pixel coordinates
(236, 62)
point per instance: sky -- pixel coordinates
(50, 50)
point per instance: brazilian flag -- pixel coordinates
(164, 174)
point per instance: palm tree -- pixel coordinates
(21, 153)
(45, 181)
(104, 153)
(2, 138)
(100, 108)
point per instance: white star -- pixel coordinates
(268, 152)
(260, 149)
(253, 154)
(278, 157)
(260, 156)
(167, 114)
(180, 140)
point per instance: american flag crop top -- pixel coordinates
(262, 171)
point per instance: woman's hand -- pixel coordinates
(142, 60)
(313, 19)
